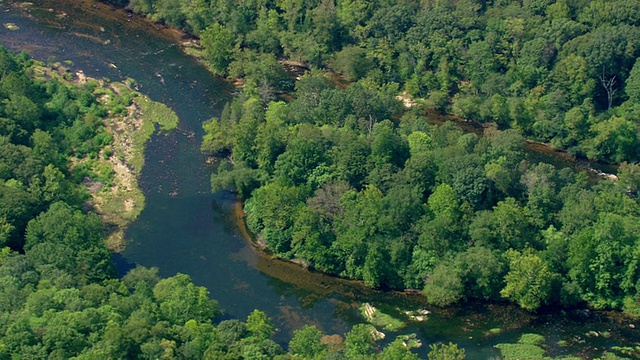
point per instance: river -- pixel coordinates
(184, 228)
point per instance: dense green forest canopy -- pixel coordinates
(337, 179)
(59, 297)
(564, 72)
(334, 179)
(330, 181)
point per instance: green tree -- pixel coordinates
(272, 136)
(239, 179)
(140, 274)
(217, 42)
(465, 176)
(576, 125)
(528, 281)
(62, 224)
(259, 324)
(358, 341)
(444, 201)
(444, 285)
(180, 300)
(246, 131)
(482, 272)
(386, 146)
(230, 331)
(353, 14)
(571, 76)
(306, 343)
(266, 35)
(448, 351)
(508, 226)
(542, 184)
(216, 137)
(199, 14)
(304, 153)
(616, 139)
(479, 62)
(376, 267)
(632, 84)
(16, 209)
(355, 228)
(23, 111)
(46, 148)
(629, 175)
(169, 11)
(261, 73)
(441, 234)
(397, 350)
(7, 62)
(352, 62)
(271, 212)
(311, 240)
(598, 258)
(351, 158)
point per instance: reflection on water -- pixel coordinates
(186, 229)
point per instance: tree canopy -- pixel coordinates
(521, 65)
(399, 203)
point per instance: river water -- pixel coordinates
(184, 228)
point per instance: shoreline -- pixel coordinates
(190, 45)
(318, 281)
(119, 201)
(181, 39)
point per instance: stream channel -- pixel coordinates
(185, 228)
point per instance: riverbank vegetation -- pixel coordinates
(59, 296)
(337, 180)
(531, 346)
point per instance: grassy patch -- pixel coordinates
(157, 113)
(193, 51)
(521, 352)
(529, 347)
(121, 207)
(379, 319)
(493, 332)
(631, 307)
(633, 351)
(152, 113)
(126, 203)
(562, 343)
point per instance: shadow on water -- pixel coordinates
(184, 228)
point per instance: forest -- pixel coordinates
(60, 297)
(337, 175)
(404, 204)
(341, 178)
(561, 72)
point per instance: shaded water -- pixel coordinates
(184, 228)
